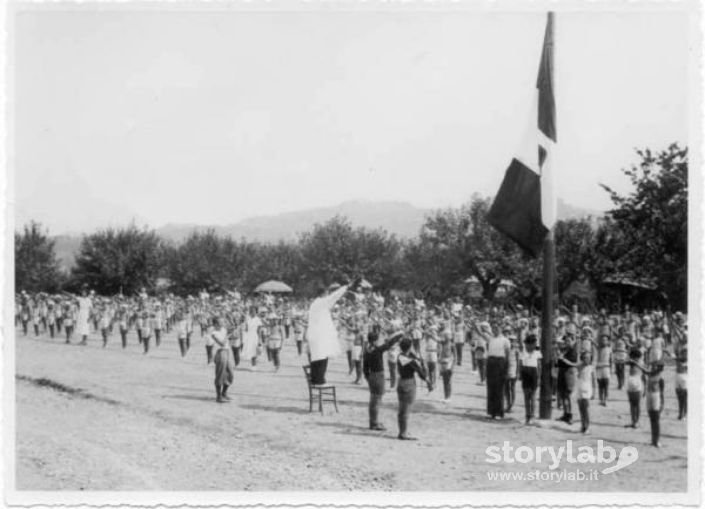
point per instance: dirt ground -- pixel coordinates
(93, 418)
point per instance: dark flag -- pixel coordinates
(525, 206)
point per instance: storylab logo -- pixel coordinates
(603, 458)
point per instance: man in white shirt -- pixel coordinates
(321, 333)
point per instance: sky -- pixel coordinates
(206, 116)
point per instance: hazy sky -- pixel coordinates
(210, 117)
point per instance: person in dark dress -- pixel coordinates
(498, 348)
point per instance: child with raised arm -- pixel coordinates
(530, 370)
(620, 358)
(409, 365)
(655, 356)
(586, 381)
(346, 332)
(235, 336)
(123, 325)
(481, 356)
(635, 386)
(654, 401)
(68, 321)
(358, 344)
(275, 340)
(104, 324)
(145, 331)
(431, 347)
(567, 361)
(392, 355)
(603, 368)
(182, 333)
(299, 335)
(681, 379)
(512, 369)
(446, 359)
(373, 368)
(51, 320)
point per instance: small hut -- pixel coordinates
(627, 289)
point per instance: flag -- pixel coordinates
(525, 206)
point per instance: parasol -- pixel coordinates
(273, 287)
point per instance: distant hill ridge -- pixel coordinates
(399, 218)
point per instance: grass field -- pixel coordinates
(93, 418)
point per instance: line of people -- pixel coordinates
(503, 344)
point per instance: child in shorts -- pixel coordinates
(586, 380)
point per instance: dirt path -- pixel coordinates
(90, 418)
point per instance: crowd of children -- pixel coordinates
(503, 343)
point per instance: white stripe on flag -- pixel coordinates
(548, 185)
(528, 154)
(528, 150)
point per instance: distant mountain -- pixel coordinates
(399, 218)
(568, 211)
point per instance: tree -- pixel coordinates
(335, 251)
(455, 244)
(36, 266)
(114, 260)
(575, 251)
(653, 221)
(280, 261)
(205, 260)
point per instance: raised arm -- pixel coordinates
(331, 299)
(390, 342)
(569, 363)
(640, 366)
(217, 339)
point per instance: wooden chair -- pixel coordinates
(321, 392)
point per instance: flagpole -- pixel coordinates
(549, 270)
(549, 261)
(525, 208)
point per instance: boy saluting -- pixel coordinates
(373, 367)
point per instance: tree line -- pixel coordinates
(643, 238)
